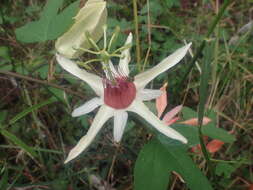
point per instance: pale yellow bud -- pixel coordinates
(90, 19)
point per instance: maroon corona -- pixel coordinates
(120, 93)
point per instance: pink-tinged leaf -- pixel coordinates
(197, 149)
(172, 113)
(173, 120)
(194, 121)
(214, 145)
(250, 187)
(161, 101)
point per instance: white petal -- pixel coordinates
(102, 116)
(148, 94)
(87, 107)
(123, 63)
(141, 109)
(142, 79)
(120, 120)
(94, 81)
(113, 72)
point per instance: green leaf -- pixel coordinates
(58, 93)
(30, 109)
(3, 115)
(151, 168)
(203, 89)
(183, 165)
(50, 25)
(5, 59)
(218, 133)
(43, 71)
(210, 129)
(224, 169)
(155, 161)
(18, 142)
(189, 132)
(4, 180)
(5, 54)
(188, 113)
(171, 3)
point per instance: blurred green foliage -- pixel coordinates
(50, 131)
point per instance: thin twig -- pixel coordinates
(113, 163)
(229, 119)
(137, 39)
(16, 75)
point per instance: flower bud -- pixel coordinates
(90, 19)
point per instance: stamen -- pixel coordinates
(114, 37)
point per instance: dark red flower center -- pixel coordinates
(120, 93)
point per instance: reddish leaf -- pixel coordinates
(194, 121)
(197, 149)
(161, 101)
(173, 120)
(172, 113)
(214, 145)
(250, 187)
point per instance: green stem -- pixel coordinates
(90, 51)
(205, 153)
(203, 43)
(137, 39)
(122, 48)
(91, 41)
(203, 94)
(84, 64)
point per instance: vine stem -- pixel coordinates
(204, 151)
(203, 43)
(137, 39)
(203, 94)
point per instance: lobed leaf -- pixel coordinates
(50, 25)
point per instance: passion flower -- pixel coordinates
(117, 95)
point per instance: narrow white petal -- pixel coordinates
(142, 79)
(120, 120)
(148, 94)
(92, 80)
(87, 107)
(113, 72)
(141, 109)
(123, 63)
(102, 116)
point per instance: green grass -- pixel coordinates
(37, 98)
